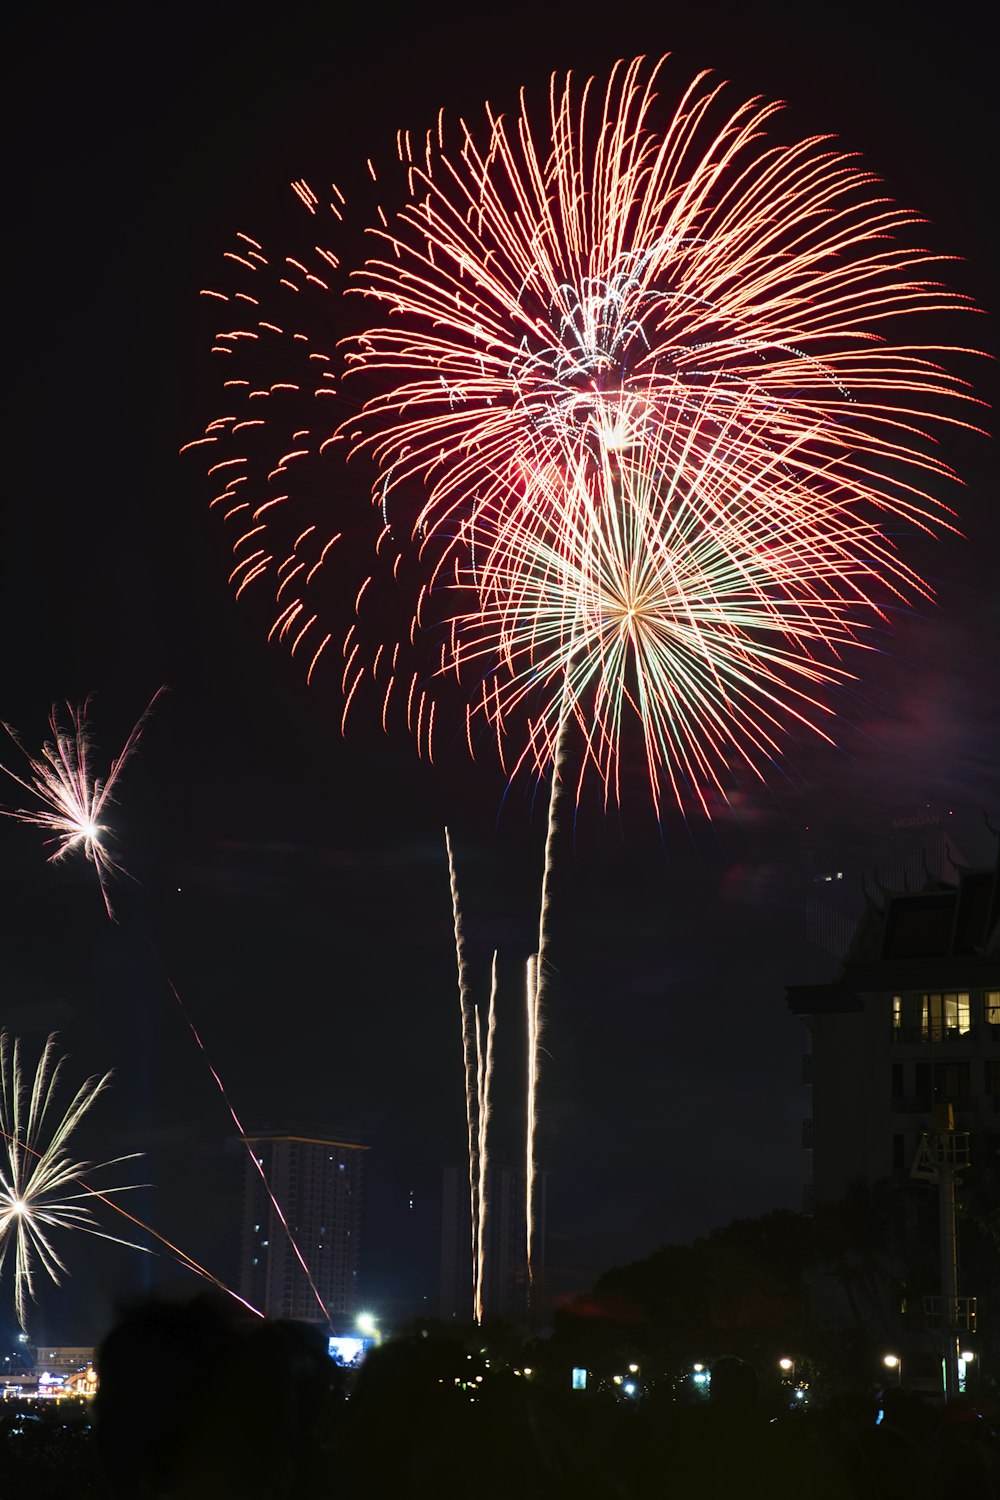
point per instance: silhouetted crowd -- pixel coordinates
(194, 1404)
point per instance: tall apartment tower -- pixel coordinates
(505, 1282)
(911, 1023)
(317, 1182)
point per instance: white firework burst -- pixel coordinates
(41, 1185)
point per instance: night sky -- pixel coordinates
(292, 882)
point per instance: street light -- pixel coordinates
(893, 1362)
(368, 1327)
(786, 1364)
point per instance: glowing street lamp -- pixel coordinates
(368, 1327)
(786, 1364)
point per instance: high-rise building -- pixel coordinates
(505, 1281)
(317, 1182)
(904, 1070)
(910, 1023)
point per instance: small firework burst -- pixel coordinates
(72, 799)
(41, 1185)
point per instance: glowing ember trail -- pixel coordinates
(477, 1057)
(73, 799)
(247, 1144)
(536, 988)
(40, 1184)
(484, 1107)
(469, 1037)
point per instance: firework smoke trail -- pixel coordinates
(73, 799)
(258, 1165)
(35, 1179)
(470, 1038)
(484, 1079)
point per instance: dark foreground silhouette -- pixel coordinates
(196, 1403)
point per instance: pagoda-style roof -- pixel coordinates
(945, 936)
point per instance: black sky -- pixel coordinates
(292, 882)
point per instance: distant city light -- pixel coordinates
(579, 1378)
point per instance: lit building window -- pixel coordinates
(991, 1001)
(944, 1015)
(936, 1017)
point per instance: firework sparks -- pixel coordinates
(41, 1186)
(468, 1047)
(707, 622)
(535, 993)
(477, 1059)
(573, 285)
(559, 295)
(73, 798)
(247, 1142)
(484, 1108)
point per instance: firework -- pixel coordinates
(573, 285)
(559, 292)
(268, 453)
(247, 1143)
(484, 1108)
(41, 1186)
(535, 987)
(477, 1059)
(645, 408)
(629, 601)
(72, 798)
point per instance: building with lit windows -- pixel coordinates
(317, 1182)
(910, 1023)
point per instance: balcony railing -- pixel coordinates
(936, 1033)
